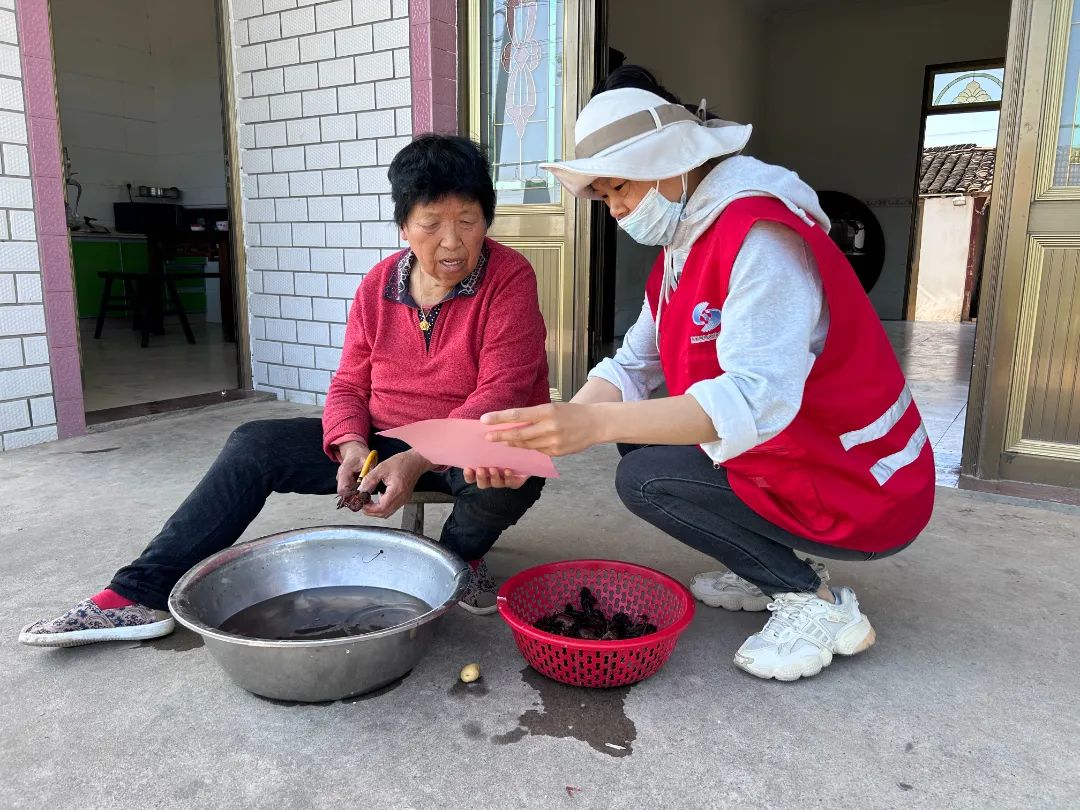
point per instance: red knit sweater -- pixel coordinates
(487, 353)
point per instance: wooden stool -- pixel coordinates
(412, 516)
(128, 302)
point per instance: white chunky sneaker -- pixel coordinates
(724, 589)
(803, 634)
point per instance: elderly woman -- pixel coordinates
(450, 327)
(788, 426)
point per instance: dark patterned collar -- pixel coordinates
(397, 288)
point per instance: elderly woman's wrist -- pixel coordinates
(425, 465)
(347, 444)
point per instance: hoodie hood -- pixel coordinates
(733, 179)
(742, 176)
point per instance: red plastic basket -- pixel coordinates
(617, 586)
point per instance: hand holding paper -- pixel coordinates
(555, 429)
(462, 443)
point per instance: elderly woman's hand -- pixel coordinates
(558, 429)
(399, 474)
(353, 456)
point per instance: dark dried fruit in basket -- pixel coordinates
(590, 624)
(642, 627)
(618, 628)
(588, 601)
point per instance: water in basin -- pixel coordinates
(319, 613)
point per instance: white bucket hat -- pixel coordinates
(636, 135)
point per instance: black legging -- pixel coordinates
(286, 455)
(678, 490)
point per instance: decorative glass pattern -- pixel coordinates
(521, 94)
(1067, 156)
(968, 87)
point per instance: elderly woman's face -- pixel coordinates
(446, 236)
(622, 196)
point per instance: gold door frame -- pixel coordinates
(557, 233)
(1031, 220)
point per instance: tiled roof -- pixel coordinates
(961, 169)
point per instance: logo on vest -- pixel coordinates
(709, 321)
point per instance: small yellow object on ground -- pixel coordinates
(470, 673)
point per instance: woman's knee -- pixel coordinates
(251, 436)
(260, 443)
(498, 506)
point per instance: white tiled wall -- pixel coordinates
(324, 105)
(27, 412)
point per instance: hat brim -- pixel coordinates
(668, 152)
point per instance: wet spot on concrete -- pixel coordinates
(95, 452)
(467, 690)
(514, 736)
(179, 640)
(594, 716)
(473, 730)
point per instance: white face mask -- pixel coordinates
(655, 219)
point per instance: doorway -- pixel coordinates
(955, 175)
(140, 101)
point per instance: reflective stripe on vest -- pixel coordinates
(880, 426)
(885, 467)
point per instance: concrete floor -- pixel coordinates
(967, 700)
(117, 371)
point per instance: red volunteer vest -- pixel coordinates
(855, 468)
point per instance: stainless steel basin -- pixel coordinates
(328, 669)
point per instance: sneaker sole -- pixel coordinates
(478, 611)
(78, 638)
(852, 641)
(856, 639)
(751, 604)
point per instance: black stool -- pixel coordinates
(145, 289)
(111, 304)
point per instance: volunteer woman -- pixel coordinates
(788, 426)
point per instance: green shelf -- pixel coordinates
(91, 256)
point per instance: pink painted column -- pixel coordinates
(433, 52)
(54, 245)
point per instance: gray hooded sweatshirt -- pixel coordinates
(775, 318)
